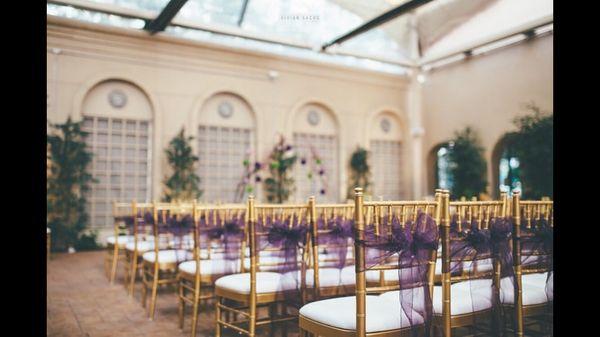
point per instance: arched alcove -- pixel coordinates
(438, 175)
(225, 137)
(505, 168)
(117, 115)
(316, 142)
(387, 156)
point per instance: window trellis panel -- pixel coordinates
(120, 165)
(221, 152)
(386, 161)
(325, 147)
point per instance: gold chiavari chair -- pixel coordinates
(244, 294)
(365, 314)
(159, 266)
(115, 244)
(466, 293)
(495, 211)
(531, 291)
(326, 275)
(142, 242)
(197, 277)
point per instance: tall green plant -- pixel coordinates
(68, 183)
(359, 171)
(183, 183)
(467, 165)
(533, 145)
(279, 186)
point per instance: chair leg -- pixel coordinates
(217, 316)
(181, 304)
(284, 330)
(144, 288)
(115, 261)
(272, 314)
(133, 273)
(154, 292)
(195, 314)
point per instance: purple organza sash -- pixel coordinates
(222, 236)
(537, 250)
(411, 245)
(335, 240)
(280, 249)
(472, 253)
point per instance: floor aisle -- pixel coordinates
(82, 303)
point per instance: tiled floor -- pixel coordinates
(82, 303)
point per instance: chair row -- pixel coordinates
(302, 258)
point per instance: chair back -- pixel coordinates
(172, 224)
(122, 217)
(383, 224)
(220, 232)
(331, 239)
(277, 240)
(142, 213)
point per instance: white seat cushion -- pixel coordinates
(265, 260)
(539, 280)
(382, 313)
(328, 277)
(465, 297)
(168, 256)
(142, 246)
(211, 267)
(121, 239)
(348, 275)
(533, 292)
(482, 265)
(266, 282)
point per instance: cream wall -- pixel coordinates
(486, 92)
(179, 77)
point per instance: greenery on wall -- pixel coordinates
(532, 143)
(467, 165)
(183, 183)
(359, 171)
(68, 183)
(279, 186)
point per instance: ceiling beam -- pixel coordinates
(242, 13)
(164, 18)
(377, 21)
(522, 29)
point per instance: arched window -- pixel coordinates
(387, 157)
(225, 139)
(439, 167)
(316, 143)
(118, 118)
(506, 168)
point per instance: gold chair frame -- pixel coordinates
(114, 253)
(325, 210)
(191, 285)
(483, 211)
(132, 265)
(309, 326)
(249, 303)
(157, 273)
(529, 210)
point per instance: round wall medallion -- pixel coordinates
(386, 125)
(313, 117)
(117, 98)
(225, 109)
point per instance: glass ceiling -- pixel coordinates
(298, 28)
